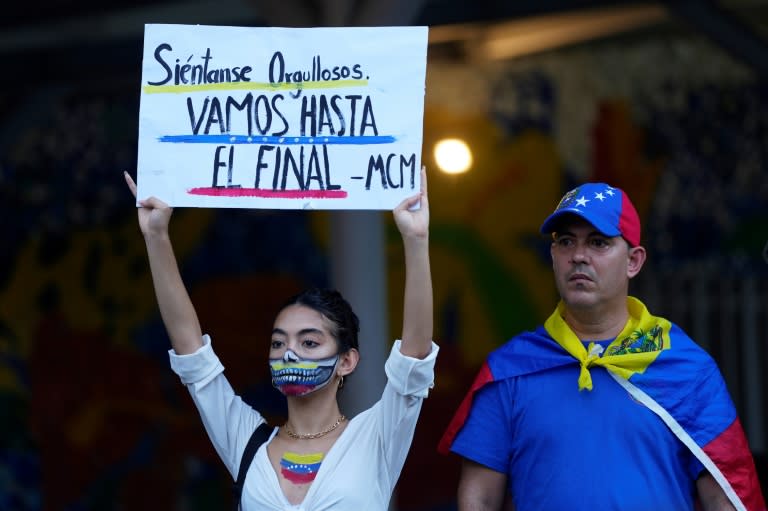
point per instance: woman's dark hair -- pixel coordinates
(333, 306)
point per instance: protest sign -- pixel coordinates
(285, 118)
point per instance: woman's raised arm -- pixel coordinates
(417, 302)
(176, 308)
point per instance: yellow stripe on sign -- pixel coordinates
(225, 86)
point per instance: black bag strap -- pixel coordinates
(258, 437)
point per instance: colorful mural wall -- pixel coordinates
(92, 417)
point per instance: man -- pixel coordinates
(604, 406)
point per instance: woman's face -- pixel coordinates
(304, 354)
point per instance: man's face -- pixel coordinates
(591, 269)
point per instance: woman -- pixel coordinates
(319, 459)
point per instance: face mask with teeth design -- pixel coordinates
(296, 376)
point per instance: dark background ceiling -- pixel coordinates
(67, 39)
(17, 15)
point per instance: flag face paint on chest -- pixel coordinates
(300, 468)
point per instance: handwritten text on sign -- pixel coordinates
(320, 118)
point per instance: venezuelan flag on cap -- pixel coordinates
(607, 208)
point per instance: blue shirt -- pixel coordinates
(568, 450)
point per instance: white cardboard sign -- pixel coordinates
(283, 118)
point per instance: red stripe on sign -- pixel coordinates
(269, 194)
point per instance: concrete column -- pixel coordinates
(358, 271)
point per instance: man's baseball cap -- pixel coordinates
(608, 209)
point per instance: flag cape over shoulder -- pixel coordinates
(660, 366)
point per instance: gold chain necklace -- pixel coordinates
(309, 436)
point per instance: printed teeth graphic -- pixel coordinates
(293, 372)
(294, 378)
(300, 376)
